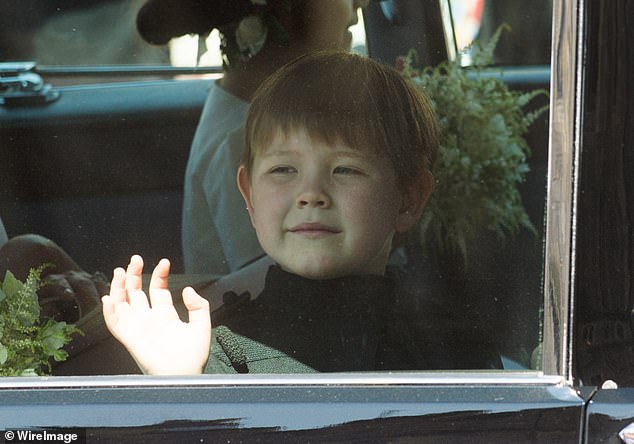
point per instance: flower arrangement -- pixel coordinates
(26, 342)
(483, 153)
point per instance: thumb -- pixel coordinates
(197, 307)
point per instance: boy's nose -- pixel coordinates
(313, 196)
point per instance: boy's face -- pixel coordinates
(323, 211)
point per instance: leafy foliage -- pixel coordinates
(26, 342)
(483, 153)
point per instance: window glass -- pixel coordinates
(101, 170)
(194, 50)
(103, 32)
(479, 19)
(67, 32)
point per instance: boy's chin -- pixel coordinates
(321, 270)
(314, 269)
(311, 273)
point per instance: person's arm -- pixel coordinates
(67, 292)
(159, 342)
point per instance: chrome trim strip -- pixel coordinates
(581, 24)
(334, 379)
(448, 27)
(125, 70)
(562, 185)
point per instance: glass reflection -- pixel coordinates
(499, 281)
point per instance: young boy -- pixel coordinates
(338, 160)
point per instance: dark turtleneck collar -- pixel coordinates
(356, 294)
(354, 323)
(329, 325)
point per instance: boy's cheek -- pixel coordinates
(269, 204)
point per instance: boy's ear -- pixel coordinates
(244, 185)
(414, 199)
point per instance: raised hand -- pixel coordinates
(159, 342)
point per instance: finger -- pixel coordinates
(109, 313)
(159, 290)
(133, 275)
(118, 292)
(134, 283)
(197, 308)
(107, 306)
(160, 275)
(112, 314)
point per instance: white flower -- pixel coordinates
(251, 35)
(258, 2)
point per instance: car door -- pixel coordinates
(603, 304)
(96, 169)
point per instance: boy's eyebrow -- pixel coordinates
(346, 152)
(273, 153)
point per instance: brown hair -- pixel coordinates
(337, 96)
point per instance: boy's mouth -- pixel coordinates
(313, 229)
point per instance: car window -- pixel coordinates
(467, 20)
(77, 33)
(496, 279)
(104, 32)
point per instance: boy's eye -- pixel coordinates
(346, 170)
(282, 169)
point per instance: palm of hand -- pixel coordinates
(160, 342)
(154, 335)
